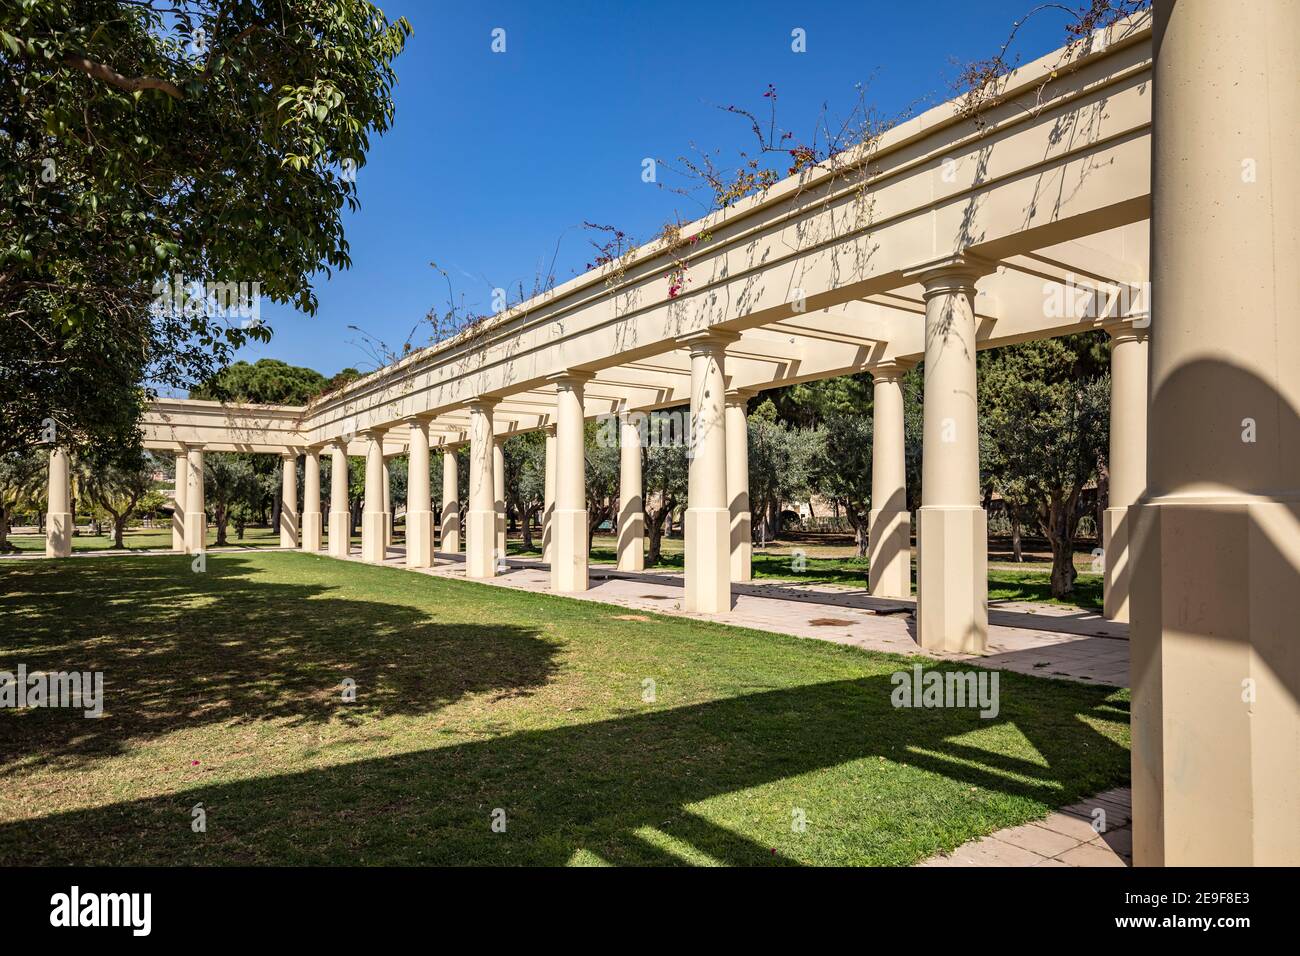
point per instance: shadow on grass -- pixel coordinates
(181, 649)
(610, 788)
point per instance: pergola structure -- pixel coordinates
(950, 233)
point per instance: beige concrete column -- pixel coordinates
(742, 547)
(889, 528)
(449, 532)
(311, 515)
(1214, 644)
(178, 510)
(340, 517)
(631, 506)
(289, 500)
(569, 520)
(374, 545)
(59, 519)
(952, 530)
(708, 515)
(548, 498)
(499, 494)
(481, 518)
(419, 501)
(196, 520)
(388, 505)
(1128, 461)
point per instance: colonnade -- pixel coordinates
(951, 531)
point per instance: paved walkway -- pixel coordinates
(1044, 640)
(1077, 835)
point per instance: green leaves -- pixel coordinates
(205, 144)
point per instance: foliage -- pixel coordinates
(665, 471)
(844, 471)
(781, 465)
(116, 481)
(1048, 414)
(148, 145)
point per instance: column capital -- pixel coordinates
(707, 341)
(571, 378)
(890, 370)
(376, 433)
(739, 396)
(952, 273)
(551, 430)
(341, 443)
(482, 403)
(291, 454)
(1126, 331)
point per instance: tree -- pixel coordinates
(116, 481)
(148, 145)
(525, 460)
(1049, 420)
(664, 474)
(24, 477)
(780, 464)
(843, 473)
(229, 479)
(602, 474)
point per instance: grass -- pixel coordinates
(146, 539)
(225, 688)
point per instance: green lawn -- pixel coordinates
(224, 688)
(145, 539)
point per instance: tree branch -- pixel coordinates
(130, 84)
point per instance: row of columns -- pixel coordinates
(951, 529)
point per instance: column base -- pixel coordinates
(449, 532)
(1214, 674)
(501, 534)
(952, 585)
(58, 535)
(311, 531)
(631, 543)
(196, 532)
(288, 529)
(742, 547)
(708, 560)
(419, 539)
(1115, 555)
(374, 543)
(569, 569)
(480, 544)
(340, 543)
(889, 554)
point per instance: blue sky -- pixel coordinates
(495, 158)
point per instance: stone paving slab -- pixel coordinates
(1056, 643)
(1065, 838)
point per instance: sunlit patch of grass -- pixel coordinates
(226, 688)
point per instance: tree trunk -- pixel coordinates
(655, 521)
(1059, 529)
(4, 529)
(1017, 554)
(527, 523)
(861, 539)
(219, 516)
